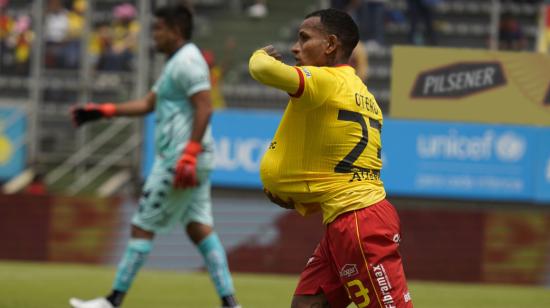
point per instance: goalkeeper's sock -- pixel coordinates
(134, 257)
(229, 301)
(116, 298)
(214, 256)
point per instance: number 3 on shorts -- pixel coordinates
(358, 291)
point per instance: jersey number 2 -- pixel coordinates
(345, 165)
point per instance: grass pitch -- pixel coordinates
(46, 285)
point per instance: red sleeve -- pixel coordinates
(301, 86)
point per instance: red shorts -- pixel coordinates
(358, 260)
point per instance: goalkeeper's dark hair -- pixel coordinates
(340, 24)
(177, 17)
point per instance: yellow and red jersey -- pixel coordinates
(325, 154)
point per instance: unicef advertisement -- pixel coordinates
(421, 158)
(542, 167)
(459, 160)
(12, 141)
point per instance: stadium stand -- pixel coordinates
(462, 24)
(459, 23)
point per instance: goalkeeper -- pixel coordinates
(178, 189)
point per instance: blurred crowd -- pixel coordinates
(420, 16)
(111, 45)
(15, 39)
(112, 41)
(421, 20)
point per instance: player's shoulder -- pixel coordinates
(189, 54)
(317, 72)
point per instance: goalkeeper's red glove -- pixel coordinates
(92, 112)
(186, 168)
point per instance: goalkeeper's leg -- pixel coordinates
(137, 251)
(215, 259)
(198, 222)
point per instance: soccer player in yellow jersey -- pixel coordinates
(325, 156)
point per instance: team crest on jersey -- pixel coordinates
(349, 270)
(306, 72)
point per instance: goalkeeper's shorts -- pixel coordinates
(358, 261)
(161, 206)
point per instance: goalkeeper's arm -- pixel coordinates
(93, 111)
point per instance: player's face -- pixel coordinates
(165, 37)
(310, 48)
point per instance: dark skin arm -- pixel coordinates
(202, 103)
(137, 107)
(270, 50)
(289, 204)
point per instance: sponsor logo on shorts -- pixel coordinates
(384, 285)
(407, 297)
(349, 270)
(397, 238)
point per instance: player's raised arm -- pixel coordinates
(265, 67)
(307, 85)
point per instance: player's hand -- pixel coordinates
(186, 168)
(91, 112)
(270, 50)
(289, 204)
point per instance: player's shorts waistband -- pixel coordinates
(383, 202)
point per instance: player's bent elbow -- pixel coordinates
(257, 69)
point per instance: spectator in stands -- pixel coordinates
(422, 11)
(218, 70)
(510, 34)
(119, 53)
(76, 26)
(359, 61)
(6, 25)
(369, 15)
(258, 10)
(375, 18)
(543, 34)
(358, 10)
(56, 32)
(21, 40)
(100, 42)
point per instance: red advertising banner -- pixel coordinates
(60, 229)
(454, 244)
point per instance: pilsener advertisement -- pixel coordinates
(469, 85)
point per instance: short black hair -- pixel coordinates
(177, 17)
(340, 24)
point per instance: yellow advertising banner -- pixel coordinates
(470, 85)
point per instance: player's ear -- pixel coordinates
(332, 43)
